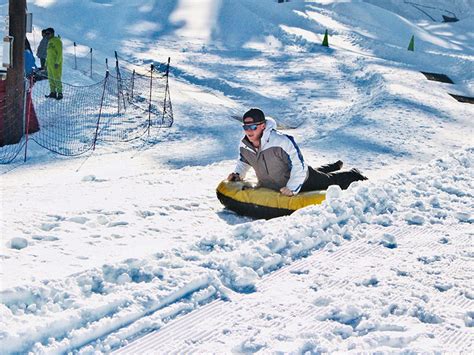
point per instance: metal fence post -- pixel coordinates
(91, 61)
(75, 56)
(100, 111)
(152, 67)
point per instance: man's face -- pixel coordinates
(253, 131)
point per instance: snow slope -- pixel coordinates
(428, 10)
(100, 250)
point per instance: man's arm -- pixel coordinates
(242, 167)
(298, 168)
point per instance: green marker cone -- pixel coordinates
(325, 40)
(411, 46)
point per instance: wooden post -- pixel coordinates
(15, 87)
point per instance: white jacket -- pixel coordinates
(278, 162)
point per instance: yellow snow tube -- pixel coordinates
(245, 199)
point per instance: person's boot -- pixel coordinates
(358, 175)
(329, 168)
(51, 95)
(345, 178)
(60, 96)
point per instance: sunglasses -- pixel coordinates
(251, 127)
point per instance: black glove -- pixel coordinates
(234, 177)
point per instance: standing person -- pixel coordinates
(278, 162)
(30, 69)
(54, 64)
(30, 65)
(42, 48)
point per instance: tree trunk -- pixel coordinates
(14, 105)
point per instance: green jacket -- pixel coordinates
(54, 53)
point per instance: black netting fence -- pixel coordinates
(127, 104)
(85, 60)
(12, 128)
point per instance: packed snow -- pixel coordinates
(108, 251)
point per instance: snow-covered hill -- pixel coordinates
(428, 10)
(99, 250)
